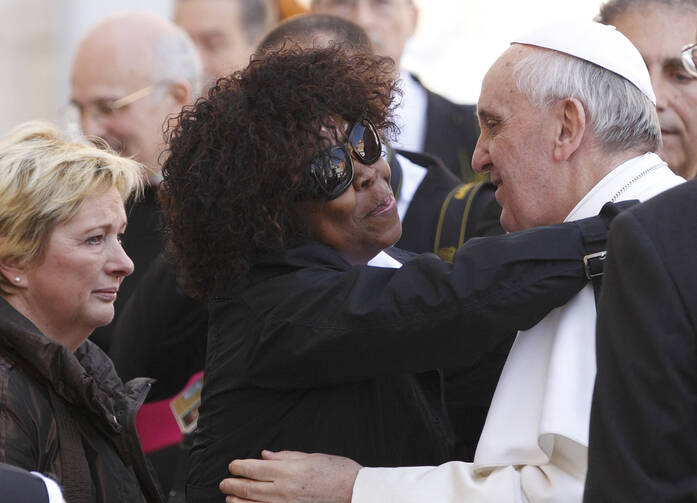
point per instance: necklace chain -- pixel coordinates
(634, 180)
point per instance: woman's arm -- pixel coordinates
(372, 321)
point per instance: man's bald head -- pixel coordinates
(127, 53)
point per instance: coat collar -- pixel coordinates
(86, 378)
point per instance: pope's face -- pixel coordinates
(515, 148)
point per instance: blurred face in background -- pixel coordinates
(217, 31)
(117, 99)
(388, 23)
(659, 32)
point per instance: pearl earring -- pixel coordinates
(18, 279)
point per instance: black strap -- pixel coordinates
(76, 480)
(451, 231)
(595, 237)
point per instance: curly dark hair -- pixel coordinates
(237, 159)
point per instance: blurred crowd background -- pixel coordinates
(456, 42)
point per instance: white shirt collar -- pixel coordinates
(626, 181)
(410, 114)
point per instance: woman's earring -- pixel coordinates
(18, 279)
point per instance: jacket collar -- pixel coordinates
(86, 378)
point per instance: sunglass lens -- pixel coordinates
(333, 172)
(365, 141)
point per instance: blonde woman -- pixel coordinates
(63, 409)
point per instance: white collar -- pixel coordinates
(629, 180)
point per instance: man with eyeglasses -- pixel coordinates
(659, 29)
(130, 73)
(428, 122)
(643, 432)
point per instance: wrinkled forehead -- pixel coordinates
(500, 76)
(110, 62)
(500, 96)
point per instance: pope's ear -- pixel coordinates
(572, 127)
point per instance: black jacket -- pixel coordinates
(434, 217)
(452, 131)
(69, 415)
(310, 353)
(643, 432)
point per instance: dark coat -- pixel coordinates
(425, 216)
(439, 220)
(70, 415)
(452, 131)
(313, 354)
(643, 436)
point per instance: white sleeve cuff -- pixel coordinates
(55, 495)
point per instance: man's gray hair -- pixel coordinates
(175, 58)
(613, 8)
(620, 115)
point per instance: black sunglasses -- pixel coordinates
(333, 171)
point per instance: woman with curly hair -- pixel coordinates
(276, 198)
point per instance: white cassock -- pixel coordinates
(533, 447)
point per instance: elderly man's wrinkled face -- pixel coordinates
(216, 28)
(363, 220)
(388, 23)
(515, 147)
(659, 32)
(99, 78)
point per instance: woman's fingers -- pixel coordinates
(256, 469)
(281, 455)
(239, 490)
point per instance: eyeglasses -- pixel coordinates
(99, 109)
(689, 58)
(333, 171)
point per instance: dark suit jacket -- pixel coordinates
(452, 131)
(643, 437)
(421, 219)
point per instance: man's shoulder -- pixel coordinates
(668, 217)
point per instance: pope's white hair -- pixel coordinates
(620, 115)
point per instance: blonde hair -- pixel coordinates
(44, 180)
